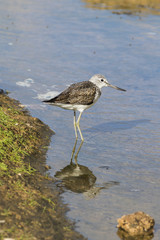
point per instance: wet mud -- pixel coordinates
(30, 202)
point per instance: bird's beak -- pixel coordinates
(112, 86)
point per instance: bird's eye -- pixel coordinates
(102, 80)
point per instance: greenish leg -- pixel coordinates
(75, 125)
(76, 155)
(79, 126)
(73, 151)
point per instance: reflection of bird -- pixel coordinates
(80, 179)
(76, 178)
(80, 96)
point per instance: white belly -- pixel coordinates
(75, 107)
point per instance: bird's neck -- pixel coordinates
(97, 84)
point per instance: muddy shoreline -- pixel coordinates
(30, 203)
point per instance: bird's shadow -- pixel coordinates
(80, 179)
(116, 126)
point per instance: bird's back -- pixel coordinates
(82, 93)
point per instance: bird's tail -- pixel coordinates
(47, 101)
(52, 100)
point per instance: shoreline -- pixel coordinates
(30, 203)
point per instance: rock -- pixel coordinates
(1, 91)
(136, 224)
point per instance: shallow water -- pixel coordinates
(49, 45)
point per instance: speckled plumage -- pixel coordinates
(82, 93)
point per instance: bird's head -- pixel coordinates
(100, 81)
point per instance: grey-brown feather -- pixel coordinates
(82, 93)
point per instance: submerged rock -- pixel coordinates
(136, 224)
(1, 91)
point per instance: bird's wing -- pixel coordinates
(78, 93)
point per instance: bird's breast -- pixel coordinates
(97, 95)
